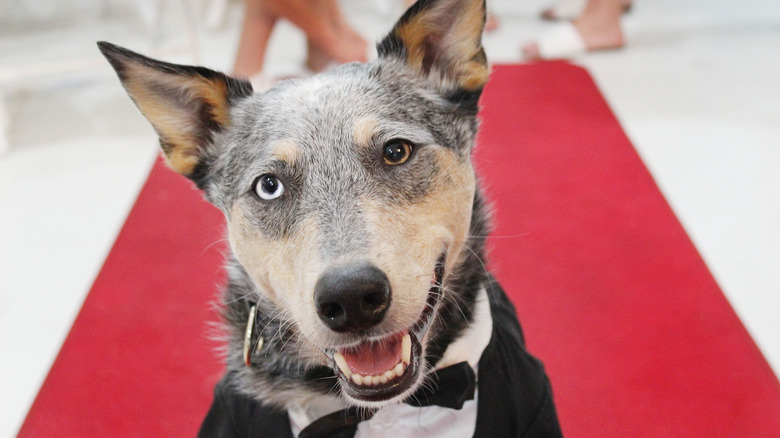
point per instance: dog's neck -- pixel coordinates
(470, 345)
(466, 348)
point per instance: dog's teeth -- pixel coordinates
(342, 364)
(378, 379)
(399, 369)
(406, 349)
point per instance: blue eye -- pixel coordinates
(269, 187)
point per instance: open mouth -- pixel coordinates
(381, 369)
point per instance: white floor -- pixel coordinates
(698, 92)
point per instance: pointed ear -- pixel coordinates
(186, 105)
(442, 39)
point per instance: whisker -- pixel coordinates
(498, 236)
(213, 244)
(479, 259)
(239, 298)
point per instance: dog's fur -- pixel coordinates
(342, 204)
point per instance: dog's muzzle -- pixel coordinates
(353, 300)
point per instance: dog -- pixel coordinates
(357, 300)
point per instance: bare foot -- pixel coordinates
(570, 9)
(596, 35)
(600, 35)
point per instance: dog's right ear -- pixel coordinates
(186, 105)
(442, 40)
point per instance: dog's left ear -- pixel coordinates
(186, 105)
(442, 40)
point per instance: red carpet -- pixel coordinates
(137, 362)
(635, 333)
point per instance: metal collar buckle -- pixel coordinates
(249, 333)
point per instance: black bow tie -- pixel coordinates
(449, 387)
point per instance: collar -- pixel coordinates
(429, 419)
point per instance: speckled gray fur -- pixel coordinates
(326, 183)
(331, 177)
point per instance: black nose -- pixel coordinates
(352, 297)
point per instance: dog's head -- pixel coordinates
(349, 195)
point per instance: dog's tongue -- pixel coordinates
(374, 358)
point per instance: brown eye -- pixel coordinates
(397, 152)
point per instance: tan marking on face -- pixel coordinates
(408, 239)
(178, 128)
(285, 270)
(286, 150)
(363, 131)
(460, 48)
